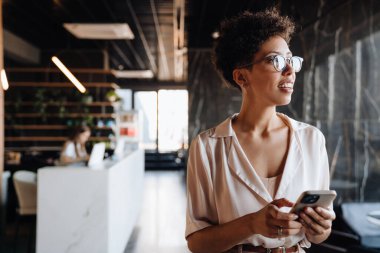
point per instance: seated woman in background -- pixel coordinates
(74, 149)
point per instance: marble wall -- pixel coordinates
(342, 95)
(338, 90)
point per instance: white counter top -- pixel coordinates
(86, 210)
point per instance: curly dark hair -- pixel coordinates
(242, 36)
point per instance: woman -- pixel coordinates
(244, 171)
(74, 149)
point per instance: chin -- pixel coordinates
(284, 102)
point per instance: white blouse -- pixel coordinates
(222, 185)
(69, 151)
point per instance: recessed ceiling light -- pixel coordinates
(215, 35)
(113, 31)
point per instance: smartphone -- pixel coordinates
(322, 198)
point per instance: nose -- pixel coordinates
(289, 70)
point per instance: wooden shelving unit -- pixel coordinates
(41, 107)
(68, 115)
(49, 138)
(62, 85)
(106, 103)
(49, 127)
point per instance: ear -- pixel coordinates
(239, 77)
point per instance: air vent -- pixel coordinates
(114, 31)
(133, 73)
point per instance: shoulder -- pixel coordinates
(215, 134)
(68, 144)
(204, 138)
(307, 132)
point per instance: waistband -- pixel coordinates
(260, 249)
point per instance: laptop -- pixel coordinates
(97, 155)
(119, 149)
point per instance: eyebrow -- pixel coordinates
(277, 52)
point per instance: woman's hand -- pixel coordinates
(273, 223)
(317, 223)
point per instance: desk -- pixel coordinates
(84, 210)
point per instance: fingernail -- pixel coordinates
(294, 216)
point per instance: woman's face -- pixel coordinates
(265, 84)
(83, 137)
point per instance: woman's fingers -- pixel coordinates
(280, 232)
(326, 213)
(312, 220)
(282, 202)
(275, 213)
(315, 217)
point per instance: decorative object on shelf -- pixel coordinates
(100, 123)
(110, 123)
(40, 103)
(12, 157)
(112, 96)
(87, 99)
(88, 120)
(128, 126)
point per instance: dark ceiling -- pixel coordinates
(40, 23)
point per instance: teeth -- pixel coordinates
(286, 85)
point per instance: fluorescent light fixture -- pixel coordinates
(68, 74)
(113, 31)
(4, 81)
(133, 73)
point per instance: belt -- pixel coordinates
(260, 249)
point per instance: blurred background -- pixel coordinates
(151, 83)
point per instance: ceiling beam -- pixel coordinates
(121, 54)
(149, 54)
(161, 46)
(151, 85)
(130, 46)
(19, 49)
(180, 51)
(140, 62)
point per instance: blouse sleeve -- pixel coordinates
(201, 211)
(324, 177)
(69, 150)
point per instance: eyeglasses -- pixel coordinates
(279, 62)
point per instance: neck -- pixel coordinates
(256, 118)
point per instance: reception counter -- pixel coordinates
(89, 210)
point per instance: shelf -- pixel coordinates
(62, 85)
(128, 124)
(29, 84)
(49, 138)
(49, 127)
(56, 70)
(64, 103)
(34, 148)
(35, 138)
(66, 115)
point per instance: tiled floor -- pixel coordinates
(161, 225)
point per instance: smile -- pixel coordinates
(286, 85)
